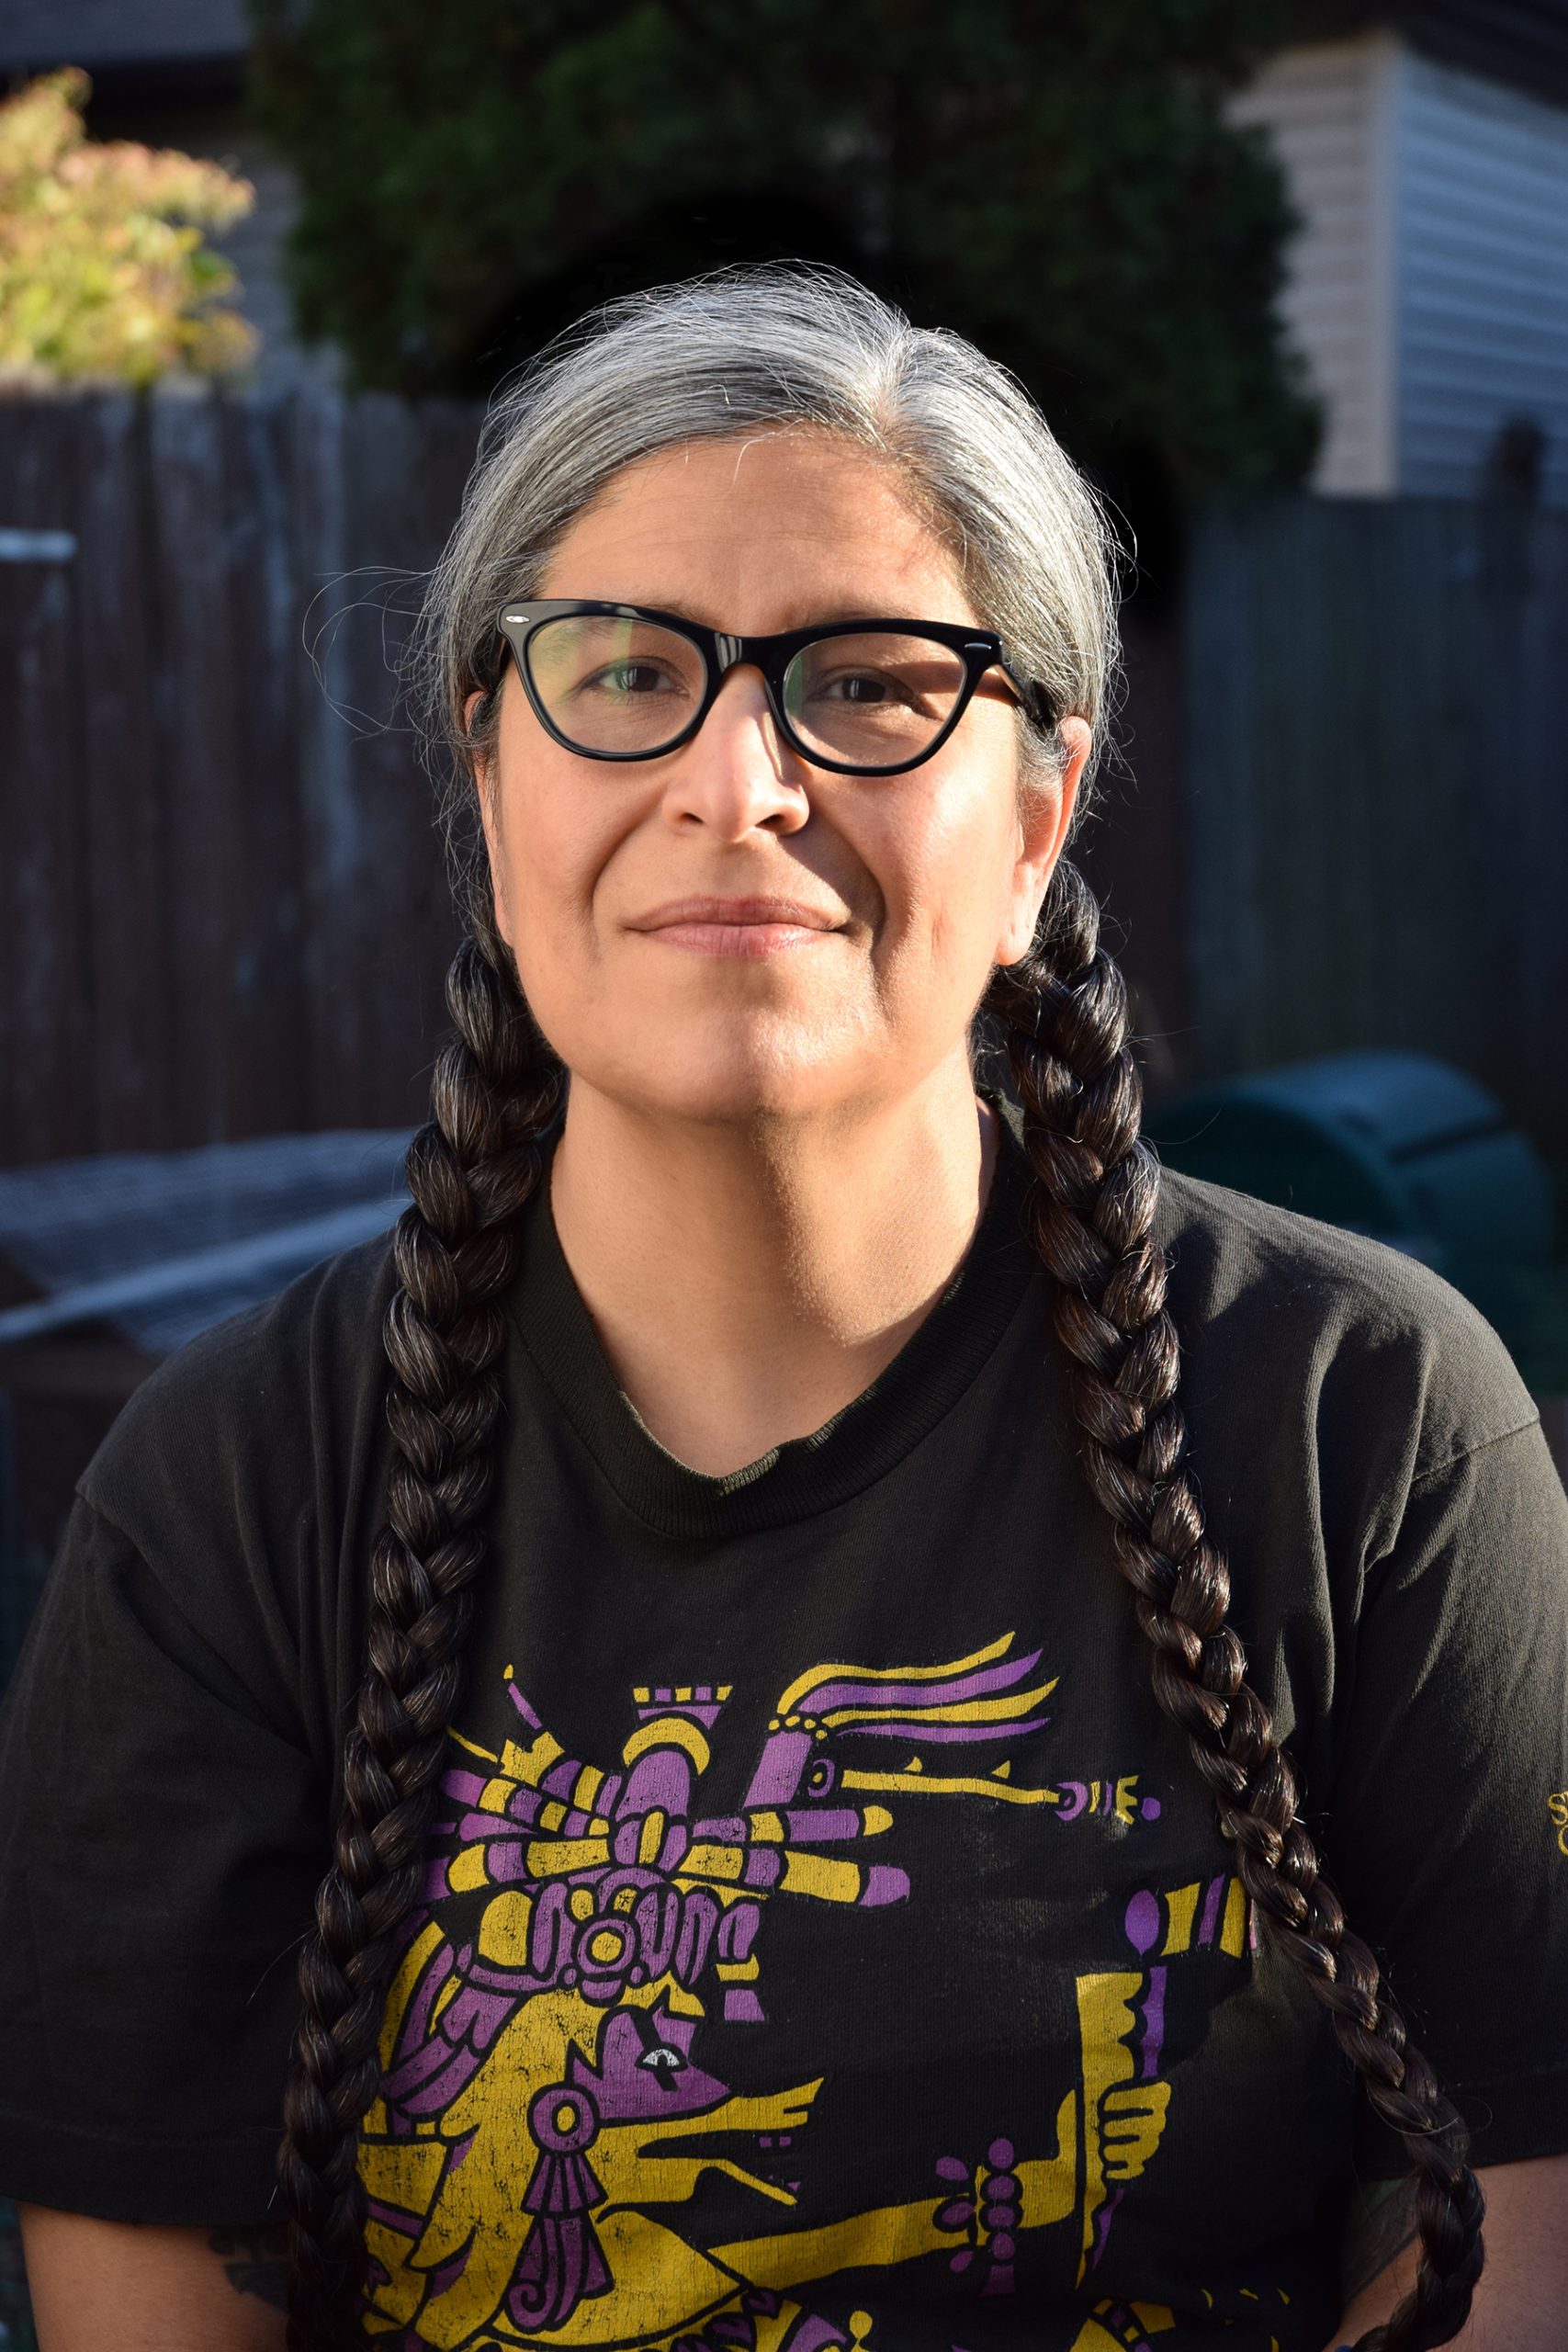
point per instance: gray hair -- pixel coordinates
(747, 350)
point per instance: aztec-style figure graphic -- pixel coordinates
(614, 1917)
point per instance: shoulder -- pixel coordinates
(1301, 1325)
(267, 1415)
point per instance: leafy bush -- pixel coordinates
(104, 273)
(1055, 177)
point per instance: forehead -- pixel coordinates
(759, 533)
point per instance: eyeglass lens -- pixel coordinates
(872, 700)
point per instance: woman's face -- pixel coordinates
(725, 932)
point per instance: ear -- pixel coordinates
(1045, 822)
(488, 797)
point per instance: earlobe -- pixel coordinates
(470, 704)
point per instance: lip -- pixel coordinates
(759, 926)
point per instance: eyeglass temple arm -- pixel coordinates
(1034, 698)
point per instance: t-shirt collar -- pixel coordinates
(804, 1476)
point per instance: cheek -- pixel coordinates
(552, 829)
(552, 846)
(946, 861)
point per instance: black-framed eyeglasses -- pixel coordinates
(864, 697)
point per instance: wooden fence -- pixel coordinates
(1343, 817)
(1377, 789)
(222, 911)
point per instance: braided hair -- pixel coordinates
(471, 1169)
(729, 354)
(1064, 1012)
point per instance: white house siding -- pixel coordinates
(1330, 111)
(1482, 237)
(1428, 284)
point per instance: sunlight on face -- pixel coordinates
(726, 931)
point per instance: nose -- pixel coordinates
(736, 777)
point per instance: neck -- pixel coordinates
(747, 1281)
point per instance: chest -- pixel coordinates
(833, 1919)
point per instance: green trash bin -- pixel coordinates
(1404, 1147)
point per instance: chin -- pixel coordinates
(733, 1073)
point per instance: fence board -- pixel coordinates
(43, 936)
(129, 1069)
(317, 499)
(1133, 849)
(198, 746)
(264, 981)
(407, 461)
(1378, 708)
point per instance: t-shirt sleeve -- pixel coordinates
(1446, 1827)
(160, 1838)
(168, 1752)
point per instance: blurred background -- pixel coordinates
(1289, 277)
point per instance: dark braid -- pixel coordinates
(470, 1170)
(1066, 1014)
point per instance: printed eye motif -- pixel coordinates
(820, 1778)
(663, 2059)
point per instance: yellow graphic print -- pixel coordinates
(543, 2118)
(1128, 2116)
(1558, 1808)
(1115, 2327)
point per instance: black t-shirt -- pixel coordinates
(826, 1942)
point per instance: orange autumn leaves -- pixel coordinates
(105, 275)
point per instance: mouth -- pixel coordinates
(767, 2162)
(742, 927)
(756, 2142)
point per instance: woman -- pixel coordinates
(770, 1906)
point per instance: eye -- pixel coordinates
(662, 2060)
(630, 678)
(819, 1780)
(865, 687)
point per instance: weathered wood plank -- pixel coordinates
(332, 874)
(1133, 848)
(129, 1069)
(48, 1091)
(258, 604)
(407, 466)
(199, 751)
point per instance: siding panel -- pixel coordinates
(1483, 323)
(1327, 110)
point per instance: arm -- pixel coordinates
(1523, 2292)
(143, 2288)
